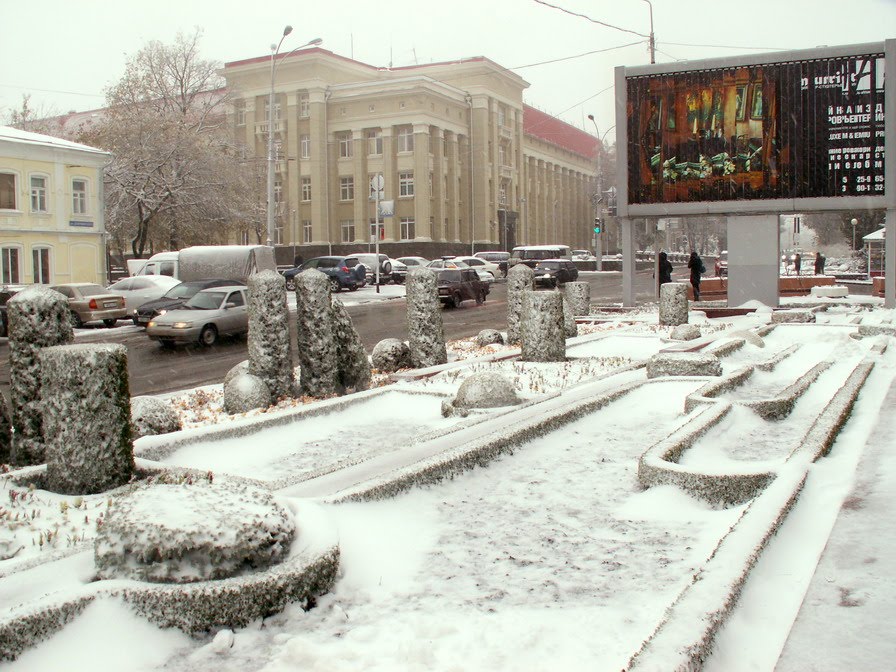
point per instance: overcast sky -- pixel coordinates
(66, 54)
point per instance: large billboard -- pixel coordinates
(809, 128)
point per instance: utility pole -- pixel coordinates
(652, 42)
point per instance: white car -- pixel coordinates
(142, 288)
(208, 315)
(487, 270)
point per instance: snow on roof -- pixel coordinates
(875, 236)
(10, 134)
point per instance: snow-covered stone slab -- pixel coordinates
(876, 330)
(793, 317)
(830, 291)
(683, 364)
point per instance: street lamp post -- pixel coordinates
(275, 49)
(600, 188)
(854, 221)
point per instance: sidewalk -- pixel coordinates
(846, 617)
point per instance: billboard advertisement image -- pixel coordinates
(796, 129)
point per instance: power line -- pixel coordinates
(71, 93)
(569, 58)
(583, 16)
(723, 46)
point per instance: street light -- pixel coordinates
(275, 49)
(600, 187)
(854, 221)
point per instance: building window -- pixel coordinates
(267, 107)
(502, 155)
(502, 115)
(38, 193)
(8, 191)
(278, 234)
(304, 105)
(405, 184)
(502, 194)
(346, 188)
(405, 139)
(306, 230)
(240, 113)
(305, 147)
(348, 230)
(407, 228)
(9, 265)
(79, 197)
(345, 146)
(278, 190)
(373, 228)
(375, 142)
(306, 188)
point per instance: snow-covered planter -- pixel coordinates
(178, 533)
(426, 333)
(38, 318)
(520, 279)
(391, 354)
(351, 357)
(673, 303)
(876, 330)
(793, 317)
(541, 332)
(486, 389)
(683, 364)
(86, 417)
(245, 392)
(151, 416)
(269, 353)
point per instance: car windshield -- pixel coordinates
(182, 291)
(206, 300)
(449, 275)
(549, 265)
(91, 290)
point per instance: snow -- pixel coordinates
(552, 557)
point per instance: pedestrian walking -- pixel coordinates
(797, 262)
(665, 269)
(695, 264)
(819, 263)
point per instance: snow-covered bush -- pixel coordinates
(426, 332)
(314, 326)
(245, 392)
(351, 357)
(541, 327)
(151, 416)
(391, 354)
(184, 533)
(86, 417)
(520, 279)
(269, 353)
(38, 318)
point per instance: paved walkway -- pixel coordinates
(846, 619)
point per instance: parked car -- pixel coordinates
(450, 262)
(488, 270)
(582, 255)
(460, 284)
(722, 264)
(553, 272)
(142, 288)
(6, 293)
(399, 271)
(208, 315)
(174, 298)
(497, 257)
(344, 272)
(89, 302)
(530, 255)
(413, 262)
(370, 263)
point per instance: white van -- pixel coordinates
(532, 254)
(234, 262)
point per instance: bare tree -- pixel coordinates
(34, 119)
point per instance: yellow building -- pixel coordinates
(466, 162)
(51, 210)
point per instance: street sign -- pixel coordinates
(386, 208)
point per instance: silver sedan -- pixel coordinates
(208, 315)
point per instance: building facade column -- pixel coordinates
(438, 210)
(390, 191)
(422, 192)
(319, 164)
(452, 192)
(362, 188)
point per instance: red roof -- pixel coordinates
(550, 129)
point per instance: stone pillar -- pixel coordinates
(569, 319)
(351, 358)
(426, 334)
(520, 279)
(269, 354)
(673, 304)
(314, 328)
(578, 294)
(541, 329)
(37, 318)
(87, 417)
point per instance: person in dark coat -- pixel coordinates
(665, 269)
(819, 263)
(695, 264)
(797, 263)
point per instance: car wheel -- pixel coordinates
(353, 287)
(208, 335)
(335, 285)
(386, 269)
(136, 321)
(291, 284)
(480, 297)
(111, 323)
(75, 320)
(456, 299)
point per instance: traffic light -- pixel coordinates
(598, 224)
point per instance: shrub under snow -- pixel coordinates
(151, 416)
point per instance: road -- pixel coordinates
(154, 370)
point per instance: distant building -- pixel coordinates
(52, 226)
(466, 162)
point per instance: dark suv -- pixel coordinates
(460, 284)
(174, 298)
(553, 272)
(344, 272)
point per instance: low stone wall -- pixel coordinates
(716, 289)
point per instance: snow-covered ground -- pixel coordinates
(550, 558)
